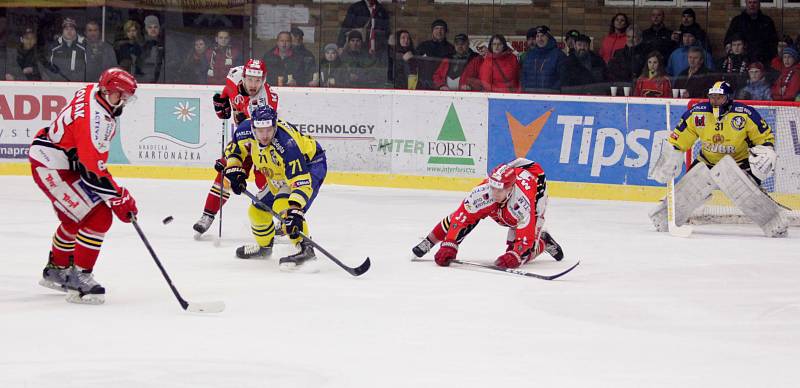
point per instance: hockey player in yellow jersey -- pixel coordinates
(737, 153)
(295, 167)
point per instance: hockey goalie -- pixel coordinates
(737, 153)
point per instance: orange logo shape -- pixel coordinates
(523, 136)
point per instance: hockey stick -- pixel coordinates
(209, 307)
(364, 267)
(518, 272)
(222, 181)
(674, 229)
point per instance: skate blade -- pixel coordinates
(52, 285)
(310, 266)
(94, 299)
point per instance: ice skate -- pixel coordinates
(254, 251)
(54, 277)
(302, 259)
(422, 248)
(203, 224)
(552, 247)
(82, 288)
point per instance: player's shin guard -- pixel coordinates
(748, 197)
(434, 237)
(690, 192)
(217, 197)
(63, 244)
(90, 236)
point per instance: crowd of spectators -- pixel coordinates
(652, 62)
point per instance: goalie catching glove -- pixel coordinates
(222, 106)
(762, 161)
(293, 222)
(669, 164)
(238, 178)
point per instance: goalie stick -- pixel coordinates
(516, 271)
(355, 271)
(674, 229)
(209, 307)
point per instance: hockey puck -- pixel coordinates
(167, 220)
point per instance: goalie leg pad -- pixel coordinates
(754, 203)
(690, 193)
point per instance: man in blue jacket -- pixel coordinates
(543, 64)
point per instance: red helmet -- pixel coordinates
(502, 177)
(117, 80)
(255, 68)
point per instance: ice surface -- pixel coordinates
(643, 309)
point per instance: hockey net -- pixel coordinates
(783, 186)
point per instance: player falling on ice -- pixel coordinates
(245, 85)
(514, 195)
(296, 167)
(68, 163)
(737, 153)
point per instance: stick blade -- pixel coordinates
(364, 267)
(208, 307)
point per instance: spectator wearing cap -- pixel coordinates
(757, 87)
(499, 69)
(129, 47)
(787, 86)
(430, 54)
(461, 71)
(734, 66)
(616, 38)
(331, 70)
(402, 62)
(679, 60)
(777, 62)
(757, 29)
(654, 81)
(371, 19)
(696, 79)
(583, 67)
(658, 36)
(27, 64)
(194, 68)
(543, 68)
(689, 24)
(221, 58)
(307, 61)
(569, 41)
(67, 58)
(627, 63)
(361, 66)
(282, 63)
(99, 53)
(151, 63)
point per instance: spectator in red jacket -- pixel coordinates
(459, 71)
(777, 62)
(616, 37)
(499, 70)
(654, 81)
(787, 85)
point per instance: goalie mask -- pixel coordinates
(720, 95)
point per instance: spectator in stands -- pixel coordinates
(221, 58)
(308, 63)
(658, 36)
(99, 53)
(757, 29)
(499, 69)
(370, 18)
(151, 63)
(331, 70)
(430, 54)
(757, 87)
(679, 60)
(689, 24)
(462, 70)
(627, 63)
(616, 38)
(67, 58)
(543, 69)
(569, 41)
(360, 65)
(777, 62)
(787, 85)
(733, 67)
(282, 63)
(129, 49)
(583, 67)
(654, 81)
(696, 79)
(401, 62)
(194, 68)
(26, 64)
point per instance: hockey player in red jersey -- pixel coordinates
(514, 195)
(244, 85)
(68, 163)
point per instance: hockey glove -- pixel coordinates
(239, 118)
(222, 106)
(124, 206)
(762, 161)
(219, 165)
(510, 259)
(293, 222)
(238, 178)
(447, 252)
(669, 164)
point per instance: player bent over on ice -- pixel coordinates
(68, 163)
(514, 195)
(296, 167)
(737, 154)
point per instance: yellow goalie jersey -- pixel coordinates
(740, 128)
(285, 161)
